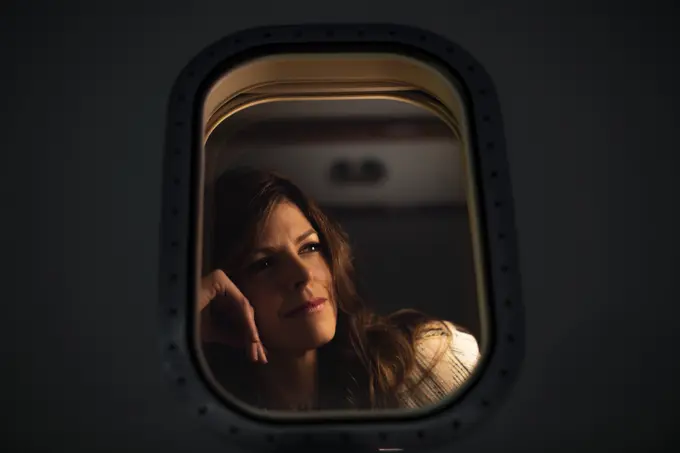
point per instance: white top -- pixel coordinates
(451, 354)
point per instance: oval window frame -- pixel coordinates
(180, 233)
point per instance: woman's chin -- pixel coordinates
(310, 337)
(313, 330)
(318, 337)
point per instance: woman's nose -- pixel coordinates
(299, 272)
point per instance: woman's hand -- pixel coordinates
(227, 317)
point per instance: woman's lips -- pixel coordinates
(311, 306)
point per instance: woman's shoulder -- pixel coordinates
(445, 357)
(451, 342)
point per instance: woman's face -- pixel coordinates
(288, 282)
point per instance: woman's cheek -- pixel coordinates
(321, 271)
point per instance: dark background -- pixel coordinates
(588, 92)
(420, 260)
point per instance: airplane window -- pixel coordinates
(338, 259)
(338, 240)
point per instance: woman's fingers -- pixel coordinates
(229, 308)
(229, 289)
(262, 354)
(253, 352)
(211, 285)
(255, 336)
(249, 317)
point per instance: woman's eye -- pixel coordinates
(261, 265)
(311, 247)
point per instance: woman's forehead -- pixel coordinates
(285, 221)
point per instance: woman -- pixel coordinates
(283, 327)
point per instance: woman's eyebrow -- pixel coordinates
(305, 235)
(298, 240)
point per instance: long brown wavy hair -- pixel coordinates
(367, 363)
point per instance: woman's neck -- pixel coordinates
(289, 382)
